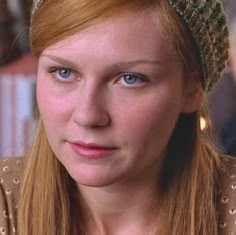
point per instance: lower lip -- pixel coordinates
(91, 152)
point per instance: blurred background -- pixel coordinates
(17, 78)
(17, 84)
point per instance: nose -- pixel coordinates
(90, 110)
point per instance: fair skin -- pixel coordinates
(110, 129)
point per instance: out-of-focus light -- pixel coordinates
(203, 123)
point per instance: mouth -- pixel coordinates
(92, 150)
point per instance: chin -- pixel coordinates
(92, 182)
(92, 178)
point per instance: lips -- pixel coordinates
(92, 151)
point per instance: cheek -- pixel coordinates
(55, 111)
(150, 122)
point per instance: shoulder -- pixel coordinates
(226, 200)
(9, 165)
(10, 171)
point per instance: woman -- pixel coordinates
(118, 148)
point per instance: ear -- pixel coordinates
(194, 95)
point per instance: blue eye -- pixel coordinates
(131, 79)
(64, 73)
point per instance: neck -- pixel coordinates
(127, 208)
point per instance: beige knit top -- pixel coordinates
(10, 179)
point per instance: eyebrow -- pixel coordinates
(116, 66)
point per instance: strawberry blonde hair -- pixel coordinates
(49, 199)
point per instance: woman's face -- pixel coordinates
(109, 98)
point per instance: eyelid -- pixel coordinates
(138, 75)
(53, 69)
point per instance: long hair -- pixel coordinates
(49, 198)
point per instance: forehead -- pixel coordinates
(131, 34)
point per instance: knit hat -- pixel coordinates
(207, 22)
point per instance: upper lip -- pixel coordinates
(92, 145)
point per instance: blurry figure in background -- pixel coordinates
(14, 59)
(7, 37)
(228, 135)
(223, 97)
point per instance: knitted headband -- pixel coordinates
(207, 22)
